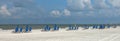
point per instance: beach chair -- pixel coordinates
(102, 27)
(30, 29)
(27, 29)
(75, 28)
(21, 29)
(16, 29)
(46, 28)
(95, 27)
(56, 28)
(85, 27)
(108, 26)
(115, 26)
(70, 27)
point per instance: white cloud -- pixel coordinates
(79, 4)
(58, 13)
(100, 4)
(92, 4)
(55, 13)
(114, 3)
(66, 12)
(98, 8)
(4, 11)
(99, 13)
(20, 9)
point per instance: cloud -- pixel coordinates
(55, 13)
(103, 13)
(106, 3)
(94, 8)
(100, 4)
(79, 4)
(66, 12)
(21, 9)
(114, 3)
(58, 13)
(4, 11)
(92, 4)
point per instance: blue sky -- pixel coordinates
(59, 11)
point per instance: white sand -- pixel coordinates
(112, 34)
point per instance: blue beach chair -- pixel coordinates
(102, 26)
(21, 29)
(75, 28)
(55, 28)
(95, 27)
(27, 29)
(30, 29)
(47, 28)
(108, 26)
(86, 27)
(16, 29)
(70, 27)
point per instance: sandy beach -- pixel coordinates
(112, 34)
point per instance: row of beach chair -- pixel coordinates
(56, 28)
(20, 29)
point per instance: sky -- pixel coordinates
(59, 11)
